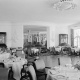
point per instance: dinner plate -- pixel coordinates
(53, 72)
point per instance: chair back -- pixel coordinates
(65, 60)
(19, 53)
(2, 65)
(32, 72)
(39, 64)
(29, 51)
(3, 74)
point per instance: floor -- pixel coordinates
(52, 60)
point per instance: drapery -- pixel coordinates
(72, 37)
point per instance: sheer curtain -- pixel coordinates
(75, 37)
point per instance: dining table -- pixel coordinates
(75, 49)
(67, 72)
(15, 62)
(4, 56)
(58, 49)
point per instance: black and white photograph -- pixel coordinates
(39, 39)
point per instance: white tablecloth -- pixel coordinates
(58, 49)
(35, 50)
(4, 56)
(75, 49)
(16, 63)
(67, 72)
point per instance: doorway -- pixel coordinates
(35, 35)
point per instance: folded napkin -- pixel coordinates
(60, 77)
(77, 66)
(53, 72)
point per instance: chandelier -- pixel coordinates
(64, 4)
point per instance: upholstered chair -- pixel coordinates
(20, 53)
(65, 60)
(32, 72)
(39, 67)
(29, 73)
(2, 65)
(3, 74)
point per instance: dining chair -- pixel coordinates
(2, 65)
(3, 74)
(20, 53)
(32, 73)
(11, 74)
(24, 70)
(13, 51)
(40, 69)
(65, 60)
(29, 73)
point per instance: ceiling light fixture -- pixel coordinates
(64, 4)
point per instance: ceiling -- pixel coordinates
(36, 10)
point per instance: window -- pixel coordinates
(77, 37)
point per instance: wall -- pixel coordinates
(6, 27)
(52, 36)
(53, 32)
(50, 31)
(17, 35)
(61, 29)
(14, 33)
(73, 26)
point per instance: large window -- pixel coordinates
(77, 37)
(35, 38)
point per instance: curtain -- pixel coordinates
(72, 37)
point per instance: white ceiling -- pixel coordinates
(36, 10)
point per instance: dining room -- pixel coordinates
(39, 40)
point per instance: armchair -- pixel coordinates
(29, 73)
(39, 67)
(2, 65)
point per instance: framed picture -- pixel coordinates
(63, 38)
(2, 37)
